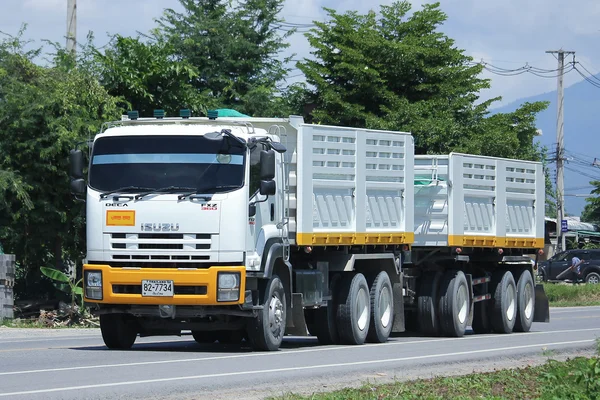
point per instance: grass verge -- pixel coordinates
(568, 295)
(577, 378)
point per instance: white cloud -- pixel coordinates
(45, 5)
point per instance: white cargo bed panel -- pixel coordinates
(491, 202)
(354, 186)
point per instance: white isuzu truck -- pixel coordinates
(257, 228)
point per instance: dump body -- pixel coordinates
(476, 201)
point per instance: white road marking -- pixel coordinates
(569, 310)
(279, 370)
(15, 340)
(282, 353)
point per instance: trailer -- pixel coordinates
(258, 228)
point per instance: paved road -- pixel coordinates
(74, 364)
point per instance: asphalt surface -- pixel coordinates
(75, 364)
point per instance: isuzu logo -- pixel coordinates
(159, 227)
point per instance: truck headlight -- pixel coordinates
(228, 286)
(93, 285)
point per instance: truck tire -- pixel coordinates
(504, 302)
(525, 302)
(454, 304)
(118, 331)
(427, 300)
(323, 324)
(266, 331)
(205, 337)
(382, 309)
(354, 311)
(481, 317)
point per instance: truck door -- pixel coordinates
(266, 210)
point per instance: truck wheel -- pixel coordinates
(354, 311)
(525, 302)
(118, 331)
(504, 303)
(427, 300)
(481, 317)
(454, 304)
(204, 337)
(382, 309)
(266, 331)
(324, 325)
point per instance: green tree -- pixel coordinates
(148, 77)
(234, 48)
(591, 211)
(45, 111)
(394, 71)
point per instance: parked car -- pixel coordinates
(590, 269)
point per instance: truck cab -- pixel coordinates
(177, 212)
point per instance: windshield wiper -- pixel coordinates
(203, 191)
(123, 189)
(168, 189)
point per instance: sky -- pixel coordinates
(505, 33)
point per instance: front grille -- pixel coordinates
(131, 246)
(146, 246)
(158, 257)
(178, 290)
(173, 265)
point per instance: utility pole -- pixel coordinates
(560, 150)
(71, 26)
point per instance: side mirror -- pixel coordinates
(78, 186)
(267, 165)
(267, 188)
(76, 164)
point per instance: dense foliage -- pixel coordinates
(591, 212)
(45, 112)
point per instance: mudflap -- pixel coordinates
(398, 325)
(542, 305)
(296, 325)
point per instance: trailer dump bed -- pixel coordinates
(354, 186)
(477, 201)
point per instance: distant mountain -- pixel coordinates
(582, 135)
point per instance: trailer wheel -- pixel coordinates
(427, 313)
(525, 302)
(118, 331)
(205, 337)
(354, 311)
(382, 309)
(266, 331)
(323, 324)
(504, 303)
(481, 317)
(454, 304)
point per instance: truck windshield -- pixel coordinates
(155, 162)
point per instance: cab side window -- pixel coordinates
(254, 184)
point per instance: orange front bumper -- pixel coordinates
(113, 278)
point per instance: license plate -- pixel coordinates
(157, 288)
